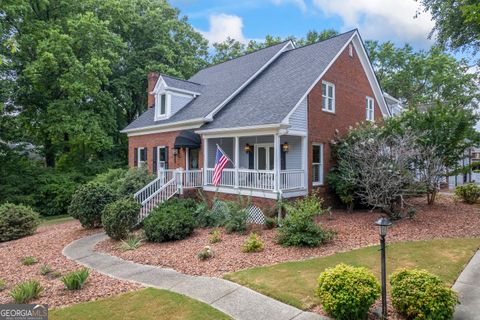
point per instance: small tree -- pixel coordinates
(430, 171)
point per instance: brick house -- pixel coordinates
(273, 112)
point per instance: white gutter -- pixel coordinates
(245, 128)
(167, 125)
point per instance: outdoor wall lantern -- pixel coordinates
(248, 148)
(175, 154)
(383, 223)
(285, 147)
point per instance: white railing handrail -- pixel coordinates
(163, 187)
(147, 186)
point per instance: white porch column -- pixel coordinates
(276, 162)
(205, 160)
(305, 161)
(236, 149)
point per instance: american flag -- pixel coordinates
(221, 160)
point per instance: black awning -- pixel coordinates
(187, 139)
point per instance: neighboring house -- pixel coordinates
(395, 106)
(273, 111)
(469, 169)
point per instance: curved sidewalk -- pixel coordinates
(235, 300)
(468, 288)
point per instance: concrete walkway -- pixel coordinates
(468, 287)
(237, 301)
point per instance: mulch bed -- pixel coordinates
(46, 246)
(445, 219)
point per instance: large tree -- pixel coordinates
(457, 23)
(76, 70)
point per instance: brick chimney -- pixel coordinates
(151, 82)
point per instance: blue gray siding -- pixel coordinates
(178, 102)
(298, 119)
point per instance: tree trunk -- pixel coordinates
(49, 154)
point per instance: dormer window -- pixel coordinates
(162, 101)
(163, 105)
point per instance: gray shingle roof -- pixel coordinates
(219, 82)
(182, 84)
(274, 93)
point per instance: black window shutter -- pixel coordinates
(146, 155)
(283, 160)
(251, 160)
(135, 157)
(166, 157)
(154, 160)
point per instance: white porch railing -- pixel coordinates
(259, 179)
(167, 191)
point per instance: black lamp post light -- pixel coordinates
(383, 223)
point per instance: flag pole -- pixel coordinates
(223, 152)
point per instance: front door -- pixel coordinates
(264, 154)
(161, 161)
(193, 155)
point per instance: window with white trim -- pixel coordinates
(163, 105)
(328, 96)
(350, 50)
(142, 157)
(370, 110)
(317, 164)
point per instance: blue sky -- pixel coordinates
(248, 19)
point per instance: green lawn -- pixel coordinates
(294, 282)
(143, 304)
(49, 220)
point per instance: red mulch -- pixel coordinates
(445, 219)
(46, 246)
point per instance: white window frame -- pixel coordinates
(158, 106)
(140, 163)
(319, 164)
(350, 50)
(327, 98)
(370, 109)
(267, 155)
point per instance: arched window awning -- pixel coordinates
(188, 139)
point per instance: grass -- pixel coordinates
(143, 304)
(51, 220)
(294, 282)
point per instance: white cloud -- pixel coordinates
(382, 19)
(223, 26)
(299, 3)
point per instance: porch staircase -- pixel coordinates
(164, 187)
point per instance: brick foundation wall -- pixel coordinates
(159, 139)
(351, 88)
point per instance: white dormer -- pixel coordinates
(170, 97)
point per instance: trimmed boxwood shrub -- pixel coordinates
(17, 221)
(468, 193)
(419, 294)
(88, 203)
(119, 217)
(169, 221)
(347, 292)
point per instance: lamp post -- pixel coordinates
(383, 223)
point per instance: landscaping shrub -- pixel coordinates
(205, 253)
(347, 292)
(169, 221)
(215, 236)
(45, 269)
(17, 221)
(55, 191)
(270, 223)
(131, 243)
(28, 261)
(253, 244)
(134, 180)
(298, 228)
(236, 218)
(3, 284)
(88, 203)
(75, 280)
(468, 193)
(26, 291)
(419, 294)
(119, 217)
(112, 178)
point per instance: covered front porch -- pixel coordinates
(267, 165)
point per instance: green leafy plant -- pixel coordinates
(119, 217)
(26, 291)
(75, 280)
(205, 253)
(169, 221)
(28, 261)
(45, 269)
(298, 228)
(55, 191)
(215, 236)
(418, 294)
(347, 292)
(3, 284)
(270, 223)
(88, 203)
(253, 244)
(131, 243)
(468, 193)
(17, 221)
(236, 218)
